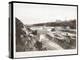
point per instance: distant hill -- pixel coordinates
(71, 24)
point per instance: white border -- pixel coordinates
(40, 53)
(14, 42)
(44, 53)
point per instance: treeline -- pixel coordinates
(71, 24)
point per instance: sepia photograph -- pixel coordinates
(45, 27)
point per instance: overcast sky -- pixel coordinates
(36, 13)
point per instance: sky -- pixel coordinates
(37, 13)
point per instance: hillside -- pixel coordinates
(71, 24)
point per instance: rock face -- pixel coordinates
(19, 32)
